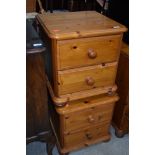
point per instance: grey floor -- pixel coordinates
(116, 146)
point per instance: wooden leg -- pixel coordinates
(107, 138)
(119, 133)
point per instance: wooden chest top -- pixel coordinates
(68, 25)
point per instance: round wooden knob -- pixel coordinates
(90, 81)
(91, 53)
(91, 119)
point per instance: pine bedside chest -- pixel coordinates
(84, 49)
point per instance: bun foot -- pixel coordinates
(107, 138)
(119, 133)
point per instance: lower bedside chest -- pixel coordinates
(83, 122)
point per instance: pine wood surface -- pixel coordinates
(84, 122)
(91, 92)
(88, 117)
(69, 25)
(75, 80)
(86, 135)
(64, 99)
(85, 48)
(88, 51)
(106, 49)
(85, 103)
(65, 150)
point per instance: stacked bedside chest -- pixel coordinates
(84, 48)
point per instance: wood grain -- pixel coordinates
(91, 92)
(62, 100)
(88, 117)
(78, 24)
(85, 49)
(75, 80)
(75, 53)
(86, 136)
(81, 104)
(74, 121)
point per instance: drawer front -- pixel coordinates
(75, 80)
(88, 51)
(86, 136)
(88, 117)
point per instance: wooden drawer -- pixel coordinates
(75, 80)
(86, 136)
(89, 51)
(84, 113)
(88, 117)
(74, 123)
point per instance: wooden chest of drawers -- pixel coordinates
(84, 122)
(84, 48)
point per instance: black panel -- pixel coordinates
(119, 11)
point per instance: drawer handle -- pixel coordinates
(90, 81)
(89, 136)
(91, 119)
(92, 54)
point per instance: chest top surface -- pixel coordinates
(68, 25)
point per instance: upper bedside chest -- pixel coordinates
(85, 48)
